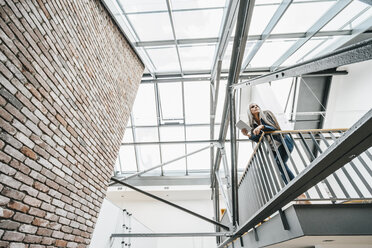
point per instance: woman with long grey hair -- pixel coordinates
(264, 121)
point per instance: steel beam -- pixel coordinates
(242, 27)
(351, 54)
(225, 33)
(161, 235)
(170, 203)
(353, 142)
(179, 142)
(174, 33)
(213, 40)
(327, 17)
(248, 74)
(266, 33)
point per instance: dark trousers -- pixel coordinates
(284, 156)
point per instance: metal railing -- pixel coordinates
(280, 153)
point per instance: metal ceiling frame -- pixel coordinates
(213, 40)
(267, 31)
(352, 54)
(318, 25)
(217, 73)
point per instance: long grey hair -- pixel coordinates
(266, 115)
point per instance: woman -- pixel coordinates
(265, 121)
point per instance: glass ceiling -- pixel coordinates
(178, 41)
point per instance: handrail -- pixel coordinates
(308, 130)
(285, 132)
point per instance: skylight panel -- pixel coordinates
(171, 107)
(149, 156)
(227, 57)
(195, 4)
(143, 5)
(200, 160)
(144, 108)
(197, 96)
(146, 134)
(149, 27)
(198, 23)
(172, 133)
(197, 133)
(319, 48)
(171, 152)
(301, 16)
(128, 136)
(260, 18)
(305, 49)
(196, 57)
(366, 15)
(345, 16)
(270, 51)
(127, 158)
(164, 59)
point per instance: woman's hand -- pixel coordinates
(258, 129)
(245, 132)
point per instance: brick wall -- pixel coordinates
(68, 81)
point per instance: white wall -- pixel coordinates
(160, 217)
(350, 96)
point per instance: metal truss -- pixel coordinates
(354, 53)
(327, 17)
(266, 33)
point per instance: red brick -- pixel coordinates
(40, 222)
(61, 243)
(18, 206)
(13, 236)
(6, 213)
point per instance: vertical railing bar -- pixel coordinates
(266, 171)
(298, 150)
(311, 157)
(325, 180)
(289, 154)
(265, 175)
(275, 166)
(357, 171)
(351, 180)
(308, 152)
(256, 185)
(273, 175)
(361, 160)
(259, 201)
(302, 158)
(315, 142)
(280, 159)
(259, 182)
(335, 173)
(251, 192)
(259, 173)
(368, 154)
(269, 170)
